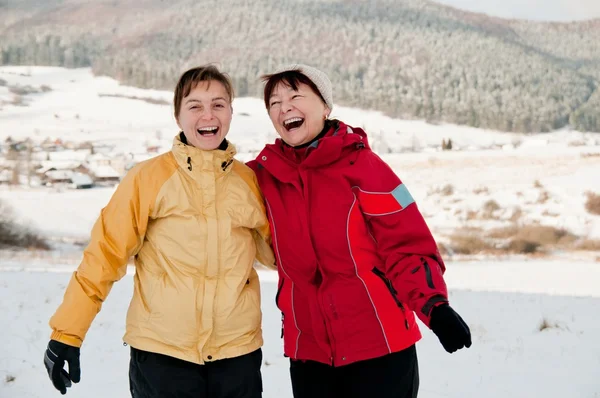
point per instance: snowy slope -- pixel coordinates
(510, 356)
(544, 176)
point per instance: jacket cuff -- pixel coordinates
(430, 304)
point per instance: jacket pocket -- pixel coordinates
(428, 277)
(144, 301)
(392, 291)
(279, 288)
(279, 292)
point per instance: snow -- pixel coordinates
(59, 174)
(510, 356)
(80, 179)
(504, 299)
(78, 109)
(5, 175)
(69, 155)
(515, 169)
(45, 209)
(104, 172)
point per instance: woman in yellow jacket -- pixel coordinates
(194, 221)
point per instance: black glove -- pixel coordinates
(55, 357)
(450, 328)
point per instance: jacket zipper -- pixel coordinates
(319, 293)
(392, 291)
(327, 322)
(280, 264)
(428, 277)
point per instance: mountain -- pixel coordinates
(407, 58)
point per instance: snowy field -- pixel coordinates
(542, 178)
(535, 333)
(510, 356)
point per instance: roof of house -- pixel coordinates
(80, 179)
(59, 174)
(104, 172)
(5, 175)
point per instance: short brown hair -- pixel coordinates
(190, 79)
(292, 79)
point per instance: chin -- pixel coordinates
(293, 141)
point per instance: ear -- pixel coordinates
(326, 112)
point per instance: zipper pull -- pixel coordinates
(189, 162)
(225, 164)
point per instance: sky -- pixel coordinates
(539, 10)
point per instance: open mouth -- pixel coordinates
(293, 123)
(208, 131)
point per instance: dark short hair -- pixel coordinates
(291, 78)
(190, 79)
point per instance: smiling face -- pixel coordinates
(205, 115)
(298, 114)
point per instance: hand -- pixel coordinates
(54, 361)
(450, 328)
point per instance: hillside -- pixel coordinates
(407, 58)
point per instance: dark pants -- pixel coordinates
(391, 376)
(154, 375)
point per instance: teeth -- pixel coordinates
(207, 128)
(292, 120)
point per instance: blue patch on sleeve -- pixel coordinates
(402, 196)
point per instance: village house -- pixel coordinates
(56, 177)
(81, 181)
(57, 163)
(104, 176)
(6, 176)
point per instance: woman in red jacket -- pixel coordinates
(356, 259)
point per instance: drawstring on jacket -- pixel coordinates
(224, 165)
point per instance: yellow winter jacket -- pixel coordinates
(194, 221)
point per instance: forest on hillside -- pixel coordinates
(406, 58)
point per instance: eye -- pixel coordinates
(296, 96)
(194, 107)
(275, 103)
(219, 106)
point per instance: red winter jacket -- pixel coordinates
(354, 255)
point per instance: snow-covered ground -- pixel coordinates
(510, 356)
(504, 299)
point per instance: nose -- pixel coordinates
(207, 114)
(286, 106)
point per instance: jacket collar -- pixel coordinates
(340, 143)
(193, 159)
